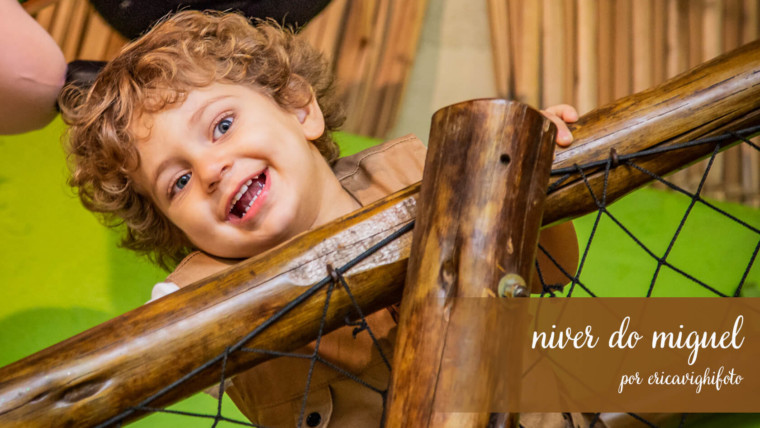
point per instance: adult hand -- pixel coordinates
(32, 71)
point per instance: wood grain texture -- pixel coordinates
(721, 94)
(92, 377)
(484, 185)
(95, 375)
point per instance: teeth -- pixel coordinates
(240, 193)
(255, 197)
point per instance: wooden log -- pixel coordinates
(716, 96)
(92, 377)
(468, 236)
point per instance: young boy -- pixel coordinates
(209, 139)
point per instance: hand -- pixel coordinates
(561, 115)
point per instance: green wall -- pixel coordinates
(61, 272)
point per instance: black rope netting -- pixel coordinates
(334, 278)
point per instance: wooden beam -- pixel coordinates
(468, 236)
(94, 376)
(716, 96)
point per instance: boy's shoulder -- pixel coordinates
(368, 175)
(383, 169)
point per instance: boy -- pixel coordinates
(210, 140)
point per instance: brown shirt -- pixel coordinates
(271, 394)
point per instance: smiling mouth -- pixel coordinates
(247, 195)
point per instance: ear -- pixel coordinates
(311, 119)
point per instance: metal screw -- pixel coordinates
(512, 285)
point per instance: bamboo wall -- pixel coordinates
(370, 44)
(590, 52)
(77, 28)
(544, 52)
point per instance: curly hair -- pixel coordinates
(186, 51)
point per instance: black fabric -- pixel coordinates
(83, 73)
(132, 18)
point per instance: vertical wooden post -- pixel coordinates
(480, 208)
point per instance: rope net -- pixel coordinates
(665, 268)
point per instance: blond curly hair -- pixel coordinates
(186, 51)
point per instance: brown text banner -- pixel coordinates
(620, 354)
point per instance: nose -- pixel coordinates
(210, 169)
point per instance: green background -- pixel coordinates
(61, 272)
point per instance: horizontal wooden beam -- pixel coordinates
(717, 96)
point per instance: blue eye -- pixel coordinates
(181, 183)
(222, 127)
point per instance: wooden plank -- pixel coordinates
(696, 52)
(553, 54)
(60, 25)
(96, 39)
(79, 16)
(712, 46)
(695, 11)
(515, 36)
(678, 37)
(623, 48)
(360, 50)
(732, 158)
(606, 49)
(642, 47)
(396, 63)
(587, 56)
(528, 67)
(570, 69)
(678, 55)
(326, 29)
(501, 48)
(660, 41)
(366, 103)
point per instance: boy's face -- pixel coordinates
(233, 170)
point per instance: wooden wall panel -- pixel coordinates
(612, 48)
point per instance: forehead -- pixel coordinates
(173, 105)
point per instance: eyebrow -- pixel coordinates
(194, 119)
(157, 173)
